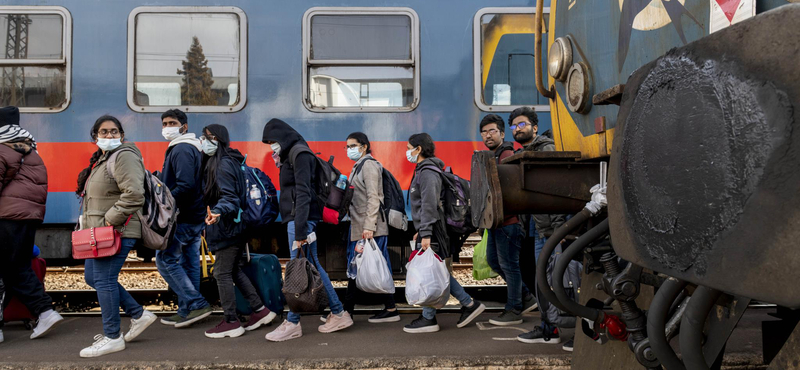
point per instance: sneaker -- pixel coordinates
(385, 316)
(1, 336)
(103, 345)
(537, 335)
(529, 304)
(263, 317)
(507, 318)
(422, 325)
(568, 345)
(138, 325)
(172, 320)
(47, 321)
(285, 332)
(336, 322)
(194, 316)
(470, 313)
(225, 329)
(324, 318)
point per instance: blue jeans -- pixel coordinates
(383, 244)
(456, 290)
(179, 265)
(102, 274)
(502, 254)
(310, 251)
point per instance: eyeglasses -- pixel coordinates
(106, 132)
(519, 125)
(352, 146)
(493, 131)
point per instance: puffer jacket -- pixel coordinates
(545, 223)
(23, 183)
(365, 213)
(114, 199)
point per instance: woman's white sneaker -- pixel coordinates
(47, 321)
(139, 325)
(103, 345)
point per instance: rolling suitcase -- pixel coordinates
(16, 311)
(264, 270)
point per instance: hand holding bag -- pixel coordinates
(303, 286)
(97, 242)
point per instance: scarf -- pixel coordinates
(14, 133)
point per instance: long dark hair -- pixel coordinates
(362, 139)
(211, 163)
(84, 175)
(424, 141)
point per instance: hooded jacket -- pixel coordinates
(298, 199)
(23, 183)
(545, 223)
(182, 174)
(230, 199)
(425, 197)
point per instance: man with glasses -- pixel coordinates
(504, 243)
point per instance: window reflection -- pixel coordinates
(31, 36)
(361, 86)
(370, 37)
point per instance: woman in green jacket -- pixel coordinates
(113, 201)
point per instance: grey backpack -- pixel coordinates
(159, 214)
(572, 282)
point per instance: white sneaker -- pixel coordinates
(285, 332)
(138, 325)
(47, 321)
(103, 345)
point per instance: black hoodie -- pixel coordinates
(228, 197)
(298, 198)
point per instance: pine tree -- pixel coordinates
(197, 78)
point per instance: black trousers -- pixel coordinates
(353, 295)
(16, 252)
(228, 271)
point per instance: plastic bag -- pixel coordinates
(427, 280)
(352, 267)
(373, 272)
(480, 266)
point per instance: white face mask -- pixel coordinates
(276, 148)
(109, 144)
(412, 159)
(209, 147)
(353, 153)
(171, 133)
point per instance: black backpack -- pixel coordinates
(334, 202)
(393, 207)
(456, 203)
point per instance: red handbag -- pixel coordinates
(97, 242)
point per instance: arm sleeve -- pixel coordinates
(303, 193)
(430, 188)
(184, 166)
(549, 148)
(505, 154)
(3, 169)
(374, 181)
(129, 174)
(228, 203)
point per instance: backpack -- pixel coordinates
(456, 203)
(571, 281)
(393, 207)
(262, 198)
(159, 214)
(335, 202)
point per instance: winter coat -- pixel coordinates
(231, 183)
(114, 199)
(545, 223)
(367, 197)
(425, 197)
(503, 151)
(298, 199)
(182, 174)
(23, 183)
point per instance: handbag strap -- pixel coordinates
(205, 253)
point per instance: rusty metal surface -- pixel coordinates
(612, 95)
(789, 356)
(704, 180)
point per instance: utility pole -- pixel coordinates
(13, 87)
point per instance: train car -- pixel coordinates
(387, 69)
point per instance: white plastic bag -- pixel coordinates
(373, 273)
(427, 280)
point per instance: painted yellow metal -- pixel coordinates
(502, 25)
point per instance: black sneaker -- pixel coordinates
(422, 325)
(529, 304)
(385, 316)
(568, 345)
(470, 313)
(507, 318)
(537, 335)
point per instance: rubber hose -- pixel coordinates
(579, 245)
(656, 323)
(547, 250)
(691, 336)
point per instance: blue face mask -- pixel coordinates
(109, 144)
(209, 147)
(353, 153)
(412, 159)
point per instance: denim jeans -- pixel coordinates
(102, 274)
(228, 271)
(179, 265)
(502, 254)
(352, 289)
(456, 290)
(310, 251)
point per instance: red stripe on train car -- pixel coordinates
(65, 160)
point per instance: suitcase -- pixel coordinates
(16, 311)
(264, 270)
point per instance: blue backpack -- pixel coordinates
(262, 198)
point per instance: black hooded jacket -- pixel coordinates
(298, 198)
(228, 199)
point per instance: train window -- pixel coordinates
(35, 57)
(191, 58)
(360, 59)
(504, 59)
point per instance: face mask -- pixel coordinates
(353, 153)
(276, 148)
(171, 133)
(209, 147)
(412, 159)
(109, 144)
